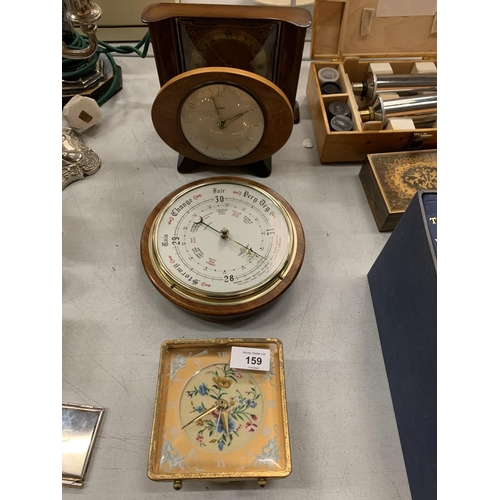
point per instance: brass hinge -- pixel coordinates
(417, 139)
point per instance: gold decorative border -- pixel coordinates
(226, 343)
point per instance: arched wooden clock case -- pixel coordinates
(268, 41)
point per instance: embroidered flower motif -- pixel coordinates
(241, 404)
(231, 425)
(250, 427)
(223, 382)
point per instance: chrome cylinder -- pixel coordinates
(372, 84)
(417, 107)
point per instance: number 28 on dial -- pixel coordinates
(212, 421)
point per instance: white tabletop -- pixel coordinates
(344, 438)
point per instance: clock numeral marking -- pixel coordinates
(192, 454)
(197, 362)
(220, 463)
(222, 354)
(192, 105)
(271, 403)
(249, 454)
(266, 431)
(202, 353)
(171, 405)
(174, 432)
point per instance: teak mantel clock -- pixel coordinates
(214, 421)
(267, 41)
(222, 247)
(222, 116)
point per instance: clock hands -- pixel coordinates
(224, 415)
(224, 234)
(201, 415)
(222, 406)
(221, 123)
(233, 118)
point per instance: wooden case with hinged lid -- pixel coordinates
(338, 42)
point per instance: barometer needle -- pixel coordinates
(224, 234)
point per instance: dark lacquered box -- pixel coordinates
(403, 286)
(391, 180)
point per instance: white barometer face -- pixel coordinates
(222, 239)
(221, 121)
(222, 247)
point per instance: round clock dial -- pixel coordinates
(222, 121)
(237, 407)
(222, 116)
(222, 246)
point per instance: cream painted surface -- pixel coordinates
(121, 19)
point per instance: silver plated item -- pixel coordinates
(78, 161)
(80, 424)
(83, 83)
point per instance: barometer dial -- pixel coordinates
(222, 246)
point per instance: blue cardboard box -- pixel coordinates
(403, 286)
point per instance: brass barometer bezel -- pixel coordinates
(221, 304)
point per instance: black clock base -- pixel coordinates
(262, 168)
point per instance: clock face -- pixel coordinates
(242, 401)
(222, 121)
(247, 45)
(222, 116)
(246, 437)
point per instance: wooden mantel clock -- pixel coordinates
(223, 116)
(265, 40)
